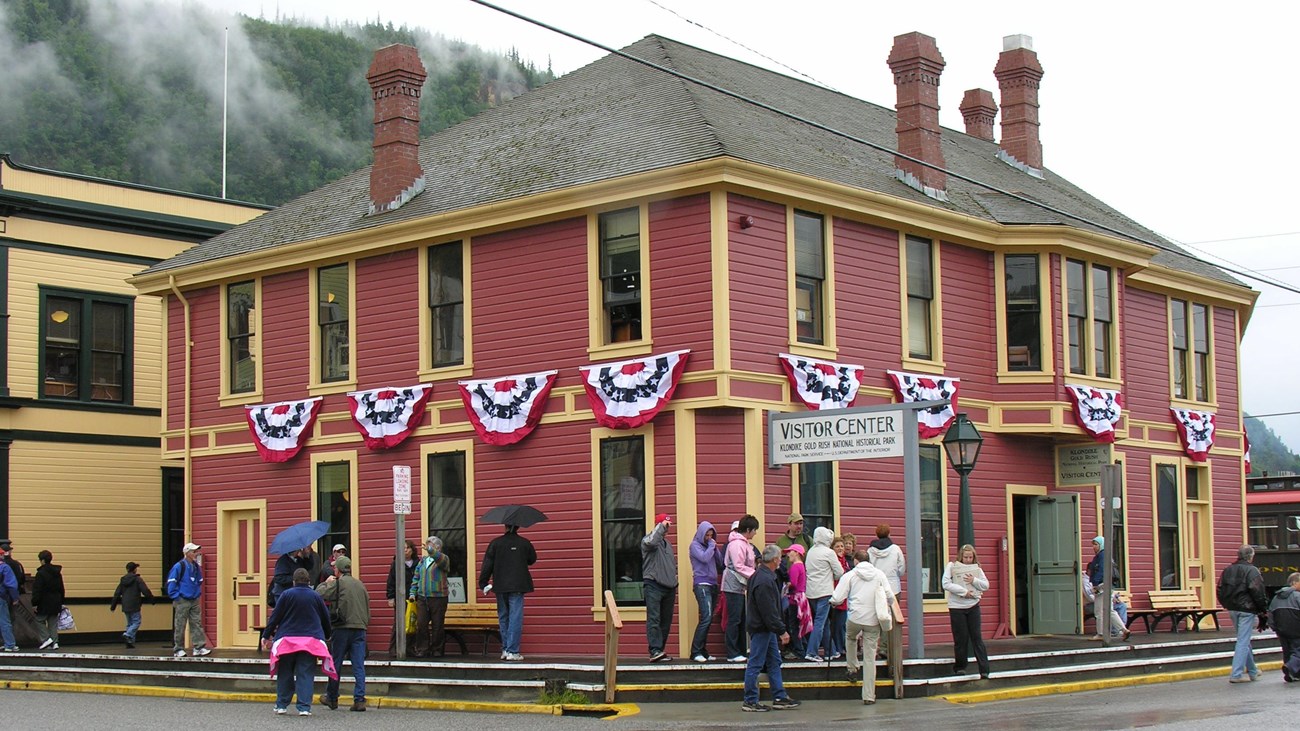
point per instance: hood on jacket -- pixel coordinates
(866, 571)
(823, 536)
(882, 543)
(705, 527)
(1286, 592)
(736, 537)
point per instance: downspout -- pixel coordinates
(189, 345)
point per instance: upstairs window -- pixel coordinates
(86, 353)
(920, 298)
(620, 274)
(809, 278)
(447, 304)
(1090, 318)
(332, 317)
(1024, 316)
(1190, 334)
(241, 304)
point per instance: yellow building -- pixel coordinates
(81, 468)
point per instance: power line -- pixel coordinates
(867, 143)
(1267, 416)
(1247, 238)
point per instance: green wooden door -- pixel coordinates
(1054, 564)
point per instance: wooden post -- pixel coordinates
(613, 623)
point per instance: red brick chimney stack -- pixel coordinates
(917, 64)
(979, 110)
(1018, 73)
(396, 76)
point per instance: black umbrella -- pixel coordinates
(520, 515)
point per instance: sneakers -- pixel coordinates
(737, 658)
(12, 649)
(754, 707)
(836, 656)
(505, 655)
(359, 705)
(55, 646)
(178, 653)
(1242, 679)
(868, 701)
(813, 658)
(281, 711)
(198, 651)
(47, 644)
(513, 656)
(304, 713)
(700, 658)
(785, 704)
(660, 656)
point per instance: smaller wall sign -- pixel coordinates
(1081, 464)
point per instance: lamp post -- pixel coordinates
(962, 443)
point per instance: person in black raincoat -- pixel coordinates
(131, 593)
(47, 600)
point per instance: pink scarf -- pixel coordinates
(317, 647)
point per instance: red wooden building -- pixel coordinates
(626, 212)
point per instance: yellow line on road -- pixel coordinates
(1032, 691)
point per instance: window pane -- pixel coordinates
(622, 511)
(918, 327)
(809, 245)
(1192, 483)
(1101, 343)
(334, 352)
(1101, 304)
(106, 377)
(1263, 534)
(448, 335)
(1023, 316)
(1178, 323)
(240, 307)
(62, 372)
(1200, 328)
(1076, 325)
(816, 496)
(240, 302)
(1180, 373)
(1170, 575)
(1167, 495)
(108, 326)
(332, 290)
(446, 274)
(333, 505)
(1076, 295)
(620, 271)
(920, 280)
(1202, 377)
(447, 518)
(932, 528)
(808, 310)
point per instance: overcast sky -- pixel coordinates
(1180, 116)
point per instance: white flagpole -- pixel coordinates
(225, 87)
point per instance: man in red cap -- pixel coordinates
(659, 572)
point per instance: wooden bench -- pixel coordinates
(1176, 604)
(459, 625)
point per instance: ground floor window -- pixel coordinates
(817, 495)
(1169, 555)
(933, 528)
(334, 505)
(622, 516)
(448, 485)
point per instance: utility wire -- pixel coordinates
(881, 148)
(1266, 416)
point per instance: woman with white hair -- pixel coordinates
(429, 592)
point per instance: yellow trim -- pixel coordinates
(720, 260)
(599, 434)
(1089, 377)
(1046, 340)
(350, 457)
(755, 466)
(597, 324)
(227, 398)
(471, 537)
(1011, 492)
(935, 362)
(427, 372)
(684, 464)
(315, 386)
(1211, 389)
(827, 347)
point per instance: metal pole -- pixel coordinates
(965, 516)
(1110, 478)
(400, 588)
(912, 522)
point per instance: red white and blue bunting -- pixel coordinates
(505, 410)
(1245, 457)
(1097, 410)
(278, 428)
(821, 384)
(629, 393)
(912, 387)
(387, 416)
(1197, 431)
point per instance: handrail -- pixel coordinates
(613, 623)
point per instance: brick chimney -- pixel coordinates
(1018, 73)
(979, 110)
(396, 76)
(917, 64)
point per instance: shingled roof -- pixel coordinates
(616, 117)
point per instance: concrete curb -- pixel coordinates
(1031, 691)
(606, 710)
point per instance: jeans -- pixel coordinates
(1117, 626)
(297, 670)
(658, 614)
(1290, 657)
(764, 652)
(821, 607)
(734, 636)
(966, 637)
(132, 625)
(1243, 659)
(796, 646)
(870, 640)
(430, 617)
(510, 617)
(7, 625)
(706, 597)
(191, 611)
(838, 628)
(350, 644)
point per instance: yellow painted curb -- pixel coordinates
(1032, 691)
(612, 710)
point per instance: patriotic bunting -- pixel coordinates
(1197, 430)
(505, 410)
(1097, 410)
(629, 393)
(912, 387)
(278, 428)
(821, 384)
(1246, 455)
(387, 416)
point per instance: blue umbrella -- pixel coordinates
(299, 535)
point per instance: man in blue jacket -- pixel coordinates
(8, 596)
(185, 587)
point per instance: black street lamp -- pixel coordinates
(962, 443)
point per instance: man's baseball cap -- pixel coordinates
(132, 565)
(343, 564)
(339, 547)
(6, 544)
(794, 518)
(190, 547)
(662, 517)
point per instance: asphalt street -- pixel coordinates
(1210, 704)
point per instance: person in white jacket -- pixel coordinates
(964, 582)
(887, 557)
(870, 597)
(824, 570)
